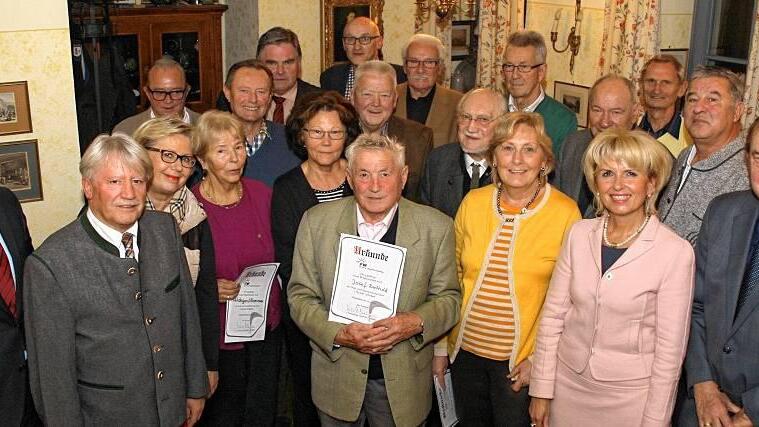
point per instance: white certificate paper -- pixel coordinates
(445, 402)
(246, 314)
(367, 280)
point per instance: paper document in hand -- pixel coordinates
(367, 281)
(246, 314)
(445, 402)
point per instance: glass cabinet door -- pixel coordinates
(184, 48)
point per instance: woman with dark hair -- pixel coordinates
(318, 131)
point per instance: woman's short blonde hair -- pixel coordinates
(637, 150)
(161, 127)
(506, 127)
(213, 124)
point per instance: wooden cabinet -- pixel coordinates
(191, 35)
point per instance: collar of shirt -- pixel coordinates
(253, 144)
(287, 105)
(382, 130)
(672, 128)
(468, 160)
(687, 169)
(374, 231)
(530, 108)
(113, 236)
(185, 118)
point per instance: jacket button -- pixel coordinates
(364, 371)
(159, 375)
(157, 348)
(131, 271)
(727, 349)
(608, 276)
(149, 320)
(138, 295)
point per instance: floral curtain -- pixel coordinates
(630, 38)
(498, 19)
(751, 95)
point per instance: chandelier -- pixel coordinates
(442, 8)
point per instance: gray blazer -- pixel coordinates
(442, 184)
(722, 349)
(112, 341)
(569, 176)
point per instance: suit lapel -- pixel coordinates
(346, 223)
(437, 117)
(594, 243)
(400, 106)
(407, 237)
(641, 245)
(740, 244)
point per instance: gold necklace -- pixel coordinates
(521, 211)
(213, 199)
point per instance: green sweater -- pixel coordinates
(559, 121)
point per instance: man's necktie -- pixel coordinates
(7, 286)
(349, 83)
(127, 239)
(750, 284)
(475, 182)
(279, 110)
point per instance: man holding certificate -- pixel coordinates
(373, 286)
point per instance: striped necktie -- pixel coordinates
(7, 286)
(127, 239)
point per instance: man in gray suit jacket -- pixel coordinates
(449, 169)
(722, 367)
(381, 371)
(111, 323)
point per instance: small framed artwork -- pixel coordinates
(335, 15)
(20, 169)
(574, 97)
(462, 33)
(15, 116)
(680, 54)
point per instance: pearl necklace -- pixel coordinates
(521, 211)
(628, 239)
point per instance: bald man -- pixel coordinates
(362, 42)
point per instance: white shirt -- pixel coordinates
(686, 172)
(287, 105)
(468, 160)
(530, 108)
(113, 236)
(376, 231)
(185, 118)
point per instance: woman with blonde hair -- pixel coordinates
(508, 236)
(614, 327)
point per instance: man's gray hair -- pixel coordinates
(166, 62)
(427, 40)
(529, 38)
(376, 67)
(118, 146)
(366, 142)
(609, 77)
(496, 97)
(736, 83)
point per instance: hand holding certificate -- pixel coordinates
(246, 314)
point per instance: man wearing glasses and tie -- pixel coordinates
(524, 68)
(362, 42)
(167, 92)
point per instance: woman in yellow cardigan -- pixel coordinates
(508, 236)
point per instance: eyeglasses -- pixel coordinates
(175, 95)
(478, 120)
(363, 40)
(427, 63)
(168, 156)
(522, 68)
(319, 134)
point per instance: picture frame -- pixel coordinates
(335, 14)
(15, 116)
(575, 97)
(462, 39)
(20, 169)
(680, 54)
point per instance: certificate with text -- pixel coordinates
(246, 314)
(367, 282)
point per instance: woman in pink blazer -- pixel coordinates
(614, 327)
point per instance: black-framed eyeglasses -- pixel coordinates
(174, 95)
(334, 135)
(168, 156)
(364, 40)
(522, 68)
(426, 63)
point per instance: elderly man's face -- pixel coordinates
(476, 122)
(612, 106)
(116, 193)
(166, 90)
(753, 163)
(283, 61)
(357, 29)
(422, 66)
(661, 86)
(377, 182)
(710, 111)
(523, 85)
(374, 98)
(249, 94)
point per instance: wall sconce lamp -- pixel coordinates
(442, 8)
(573, 39)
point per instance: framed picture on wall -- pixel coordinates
(680, 54)
(20, 169)
(14, 108)
(574, 97)
(462, 33)
(335, 15)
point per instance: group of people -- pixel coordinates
(543, 318)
